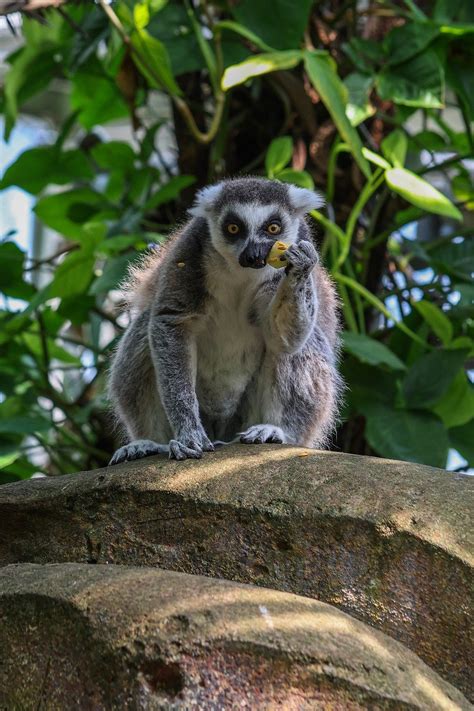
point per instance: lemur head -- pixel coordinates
(247, 215)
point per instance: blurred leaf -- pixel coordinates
(463, 189)
(408, 435)
(169, 191)
(420, 193)
(171, 26)
(365, 54)
(322, 71)
(430, 140)
(404, 42)
(67, 211)
(114, 273)
(278, 155)
(462, 439)
(114, 155)
(456, 407)
(394, 147)
(244, 32)
(456, 258)
(141, 15)
(95, 29)
(430, 377)
(24, 425)
(36, 168)
(152, 59)
(437, 320)
(417, 82)
(96, 96)
(74, 275)
(259, 64)
(297, 177)
(281, 27)
(32, 69)
(358, 107)
(368, 350)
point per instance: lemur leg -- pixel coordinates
(174, 356)
(132, 389)
(295, 396)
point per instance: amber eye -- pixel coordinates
(274, 228)
(232, 228)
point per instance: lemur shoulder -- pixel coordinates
(221, 345)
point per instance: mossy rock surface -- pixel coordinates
(77, 636)
(389, 542)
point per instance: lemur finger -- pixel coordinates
(180, 451)
(207, 445)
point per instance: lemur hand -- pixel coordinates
(302, 258)
(190, 444)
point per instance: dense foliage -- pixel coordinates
(315, 93)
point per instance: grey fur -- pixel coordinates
(218, 350)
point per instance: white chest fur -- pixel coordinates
(229, 347)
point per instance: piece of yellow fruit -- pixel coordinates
(276, 256)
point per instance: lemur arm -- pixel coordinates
(292, 311)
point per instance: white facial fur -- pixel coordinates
(253, 215)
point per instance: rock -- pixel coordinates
(389, 542)
(77, 636)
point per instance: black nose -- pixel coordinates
(254, 255)
(254, 261)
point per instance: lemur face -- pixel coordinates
(246, 216)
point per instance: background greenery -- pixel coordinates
(317, 93)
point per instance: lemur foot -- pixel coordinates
(191, 448)
(138, 449)
(258, 434)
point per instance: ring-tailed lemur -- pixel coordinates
(221, 343)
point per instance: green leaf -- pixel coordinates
(462, 439)
(153, 61)
(456, 407)
(244, 32)
(24, 425)
(322, 72)
(394, 147)
(259, 64)
(141, 15)
(463, 189)
(11, 264)
(36, 168)
(278, 155)
(74, 275)
(420, 193)
(430, 377)
(375, 159)
(280, 24)
(66, 212)
(173, 29)
(364, 54)
(403, 434)
(437, 320)
(96, 96)
(370, 351)
(114, 273)
(417, 82)
(114, 155)
(411, 38)
(170, 191)
(32, 68)
(297, 177)
(456, 258)
(358, 107)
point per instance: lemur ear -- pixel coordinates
(204, 201)
(303, 200)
